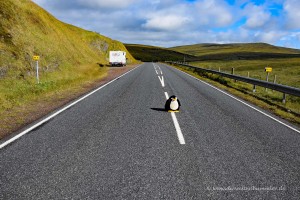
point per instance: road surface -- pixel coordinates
(119, 143)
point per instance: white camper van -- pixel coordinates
(117, 58)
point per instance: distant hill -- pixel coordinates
(151, 53)
(208, 49)
(206, 52)
(27, 30)
(238, 51)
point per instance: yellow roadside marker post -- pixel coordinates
(268, 70)
(36, 59)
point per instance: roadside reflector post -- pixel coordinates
(284, 98)
(36, 59)
(267, 79)
(248, 74)
(254, 88)
(232, 72)
(219, 69)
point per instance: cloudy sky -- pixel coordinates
(170, 23)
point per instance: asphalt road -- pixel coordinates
(119, 144)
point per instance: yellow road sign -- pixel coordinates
(36, 57)
(268, 69)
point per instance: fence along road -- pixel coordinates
(119, 144)
(278, 87)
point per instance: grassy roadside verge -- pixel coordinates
(22, 101)
(287, 71)
(270, 100)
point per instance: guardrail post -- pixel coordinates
(284, 98)
(254, 88)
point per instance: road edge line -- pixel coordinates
(267, 115)
(9, 141)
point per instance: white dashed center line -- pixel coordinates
(162, 81)
(174, 118)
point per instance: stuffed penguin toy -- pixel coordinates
(172, 104)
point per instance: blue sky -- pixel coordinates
(170, 23)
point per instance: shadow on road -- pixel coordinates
(159, 109)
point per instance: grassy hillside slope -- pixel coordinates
(212, 52)
(70, 59)
(27, 30)
(240, 51)
(209, 49)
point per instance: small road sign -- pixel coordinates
(36, 58)
(268, 69)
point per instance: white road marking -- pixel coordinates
(167, 96)
(58, 112)
(267, 115)
(157, 69)
(160, 70)
(178, 130)
(162, 81)
(176, 124)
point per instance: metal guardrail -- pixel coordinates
(255, 82)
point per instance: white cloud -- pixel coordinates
(292, 7)
(105, 3)
(213, 13)
(166, 22)
(178, 22)
(271, 36)
(257, 16)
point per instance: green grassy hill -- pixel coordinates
(209, 49)
(27, 30)
(212, 52)
(71, 61)
(150, 53)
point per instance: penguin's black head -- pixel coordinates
(173, 98)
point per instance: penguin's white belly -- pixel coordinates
(174, 105)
